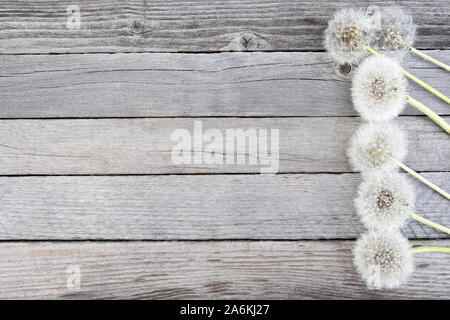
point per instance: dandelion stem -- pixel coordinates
(371, 50)
(409, 75)
(430, 223)
(422, 179)
(426, 86)
(430, 113)
(431, 249)
(430, 59)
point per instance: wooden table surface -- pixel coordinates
(86, 177)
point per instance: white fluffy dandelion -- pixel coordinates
(385, 200)
(394, 32)
(376, 145)
(395, 29)
(349, 36)
(379, 92)
(382, 146)
(345, 29)
(379, 89)
(384, 260)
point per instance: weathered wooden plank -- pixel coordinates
(157, 85)
(197, 207)
(145, 146)
(205, 270)
(202, 25)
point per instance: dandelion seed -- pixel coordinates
(385, 200)
(350, 32)
(345, 29)
(396, 29)
(384, 260)
(379, 89)
(395, 33)
(375, 145)
(379, 92)
(382, 146)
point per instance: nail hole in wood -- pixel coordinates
(345, 68)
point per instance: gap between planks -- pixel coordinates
(205, 117)
(191, 52)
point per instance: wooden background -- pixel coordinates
(86, 177)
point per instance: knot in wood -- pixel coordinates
(137, 26)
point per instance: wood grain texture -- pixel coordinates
(206, 270)
(201, 25)
(314, 201)
(183, 85)
(144, 146)
(197, 207)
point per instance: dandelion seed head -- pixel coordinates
(376, 145)
(385, 200)
(395, 29)
(346, 28)
(379, 89)
(384, 260)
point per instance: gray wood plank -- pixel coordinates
(197, 207)
(174, 85)
(144, 146)
(202, 25)
(205, 270)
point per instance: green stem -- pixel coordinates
(430, 113)
(431, 249)
(421, 179)
(430, 59)
(430, 223)
(371, 50)
(409, 75)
